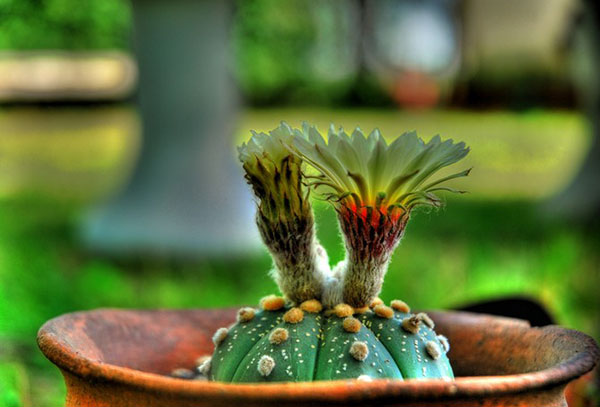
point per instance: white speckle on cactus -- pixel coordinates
(204, 368)
(312, 306)
(433, 349)
(246, 314)
(182, 373)
(383, 311)
(400, 306)
(411, 324)
(359, 350)
(377, 301)
(293, 316)
(278, 336)
(202, 359)
(220, 336)
(272, 303)
(364, 378)
(444, 342)
(426, 319)
(351, 325)
(266, 364)
(343, 310)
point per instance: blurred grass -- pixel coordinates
(472, 249)
(74, 154)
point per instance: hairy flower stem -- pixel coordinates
(298, 257)
(286, 224)
(370, 236)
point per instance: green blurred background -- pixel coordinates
(513, 81)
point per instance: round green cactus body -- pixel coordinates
(291, 345)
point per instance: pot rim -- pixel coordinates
(72, 361)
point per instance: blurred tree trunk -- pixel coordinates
(580, 201)
(187, 194)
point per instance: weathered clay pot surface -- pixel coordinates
(119, 358)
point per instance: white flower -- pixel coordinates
(274, 173)
(368, 172)
(269, 146)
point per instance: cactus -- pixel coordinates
(330, 323)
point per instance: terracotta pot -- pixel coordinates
(119, 358)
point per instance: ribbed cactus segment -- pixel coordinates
(291, 345)
(408, 349)
(336, 361)
(294, 357)
(241, 338)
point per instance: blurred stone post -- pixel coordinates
(187, 195)
(580, 201)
